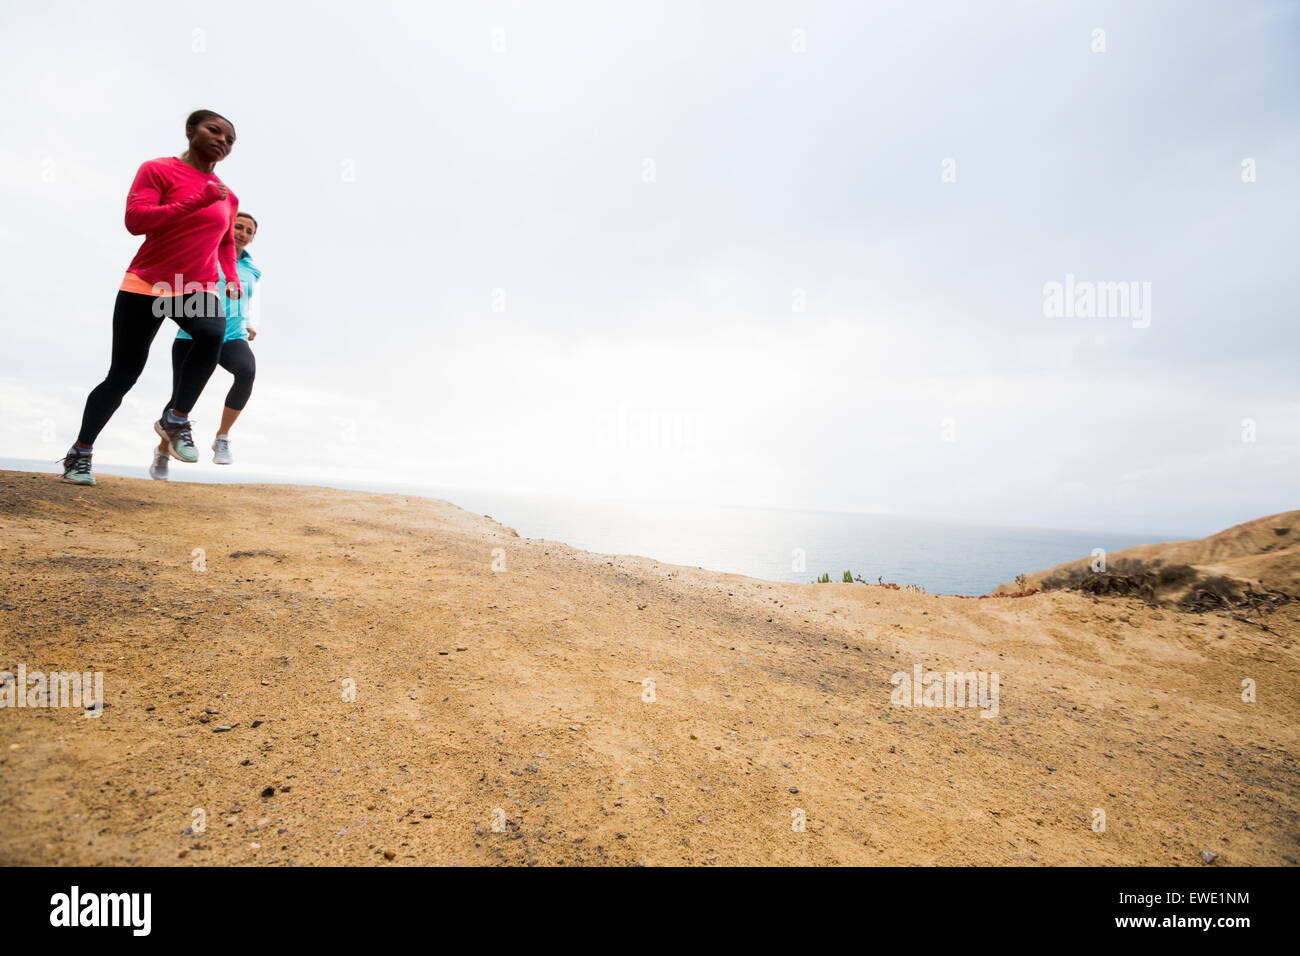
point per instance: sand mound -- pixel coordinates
(1247, 563)
(305, 676)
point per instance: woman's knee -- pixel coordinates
(237, 359)
(240, 391)
(244, 377)
(122, 378)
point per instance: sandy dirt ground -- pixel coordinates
(541, 705)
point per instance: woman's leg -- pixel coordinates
(200, 315)
(180, 347)
(134, 326)
(237, 359)
(206, 328)
(228, 416)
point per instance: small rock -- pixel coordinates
(220, 729)
(1209, 856)
(389, 855)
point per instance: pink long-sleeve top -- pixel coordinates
(188, 227)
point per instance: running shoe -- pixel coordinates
(221, 451)
(76, 468)
(158, 470)
(179, 440)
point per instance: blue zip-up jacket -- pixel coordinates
(237, 309)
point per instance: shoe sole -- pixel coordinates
(74, 481)
(157, 477)
(171, 447)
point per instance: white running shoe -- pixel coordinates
(158, 470)
(221, 451)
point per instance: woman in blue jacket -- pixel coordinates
(236, 355)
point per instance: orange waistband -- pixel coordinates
(133, 283)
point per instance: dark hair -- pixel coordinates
(198, 116)
(248, 214)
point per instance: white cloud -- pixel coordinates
(670, 303)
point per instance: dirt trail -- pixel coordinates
(515, 697)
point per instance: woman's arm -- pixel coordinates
(226, 254)
(251, 308)
(145, 210)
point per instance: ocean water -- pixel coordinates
(775, 544)
(791, 545)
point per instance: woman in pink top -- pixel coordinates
(186, 215)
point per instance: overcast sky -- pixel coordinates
(783, 254)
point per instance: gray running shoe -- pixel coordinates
(221, 451)
(179, 440)
(76, 468)
(158, 470)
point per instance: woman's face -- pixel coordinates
(245, 230)
(213, 139)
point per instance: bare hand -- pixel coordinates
(224, 191)
(232, 291)
(252, 334)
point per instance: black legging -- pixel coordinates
(135, 323)
(236, 358)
